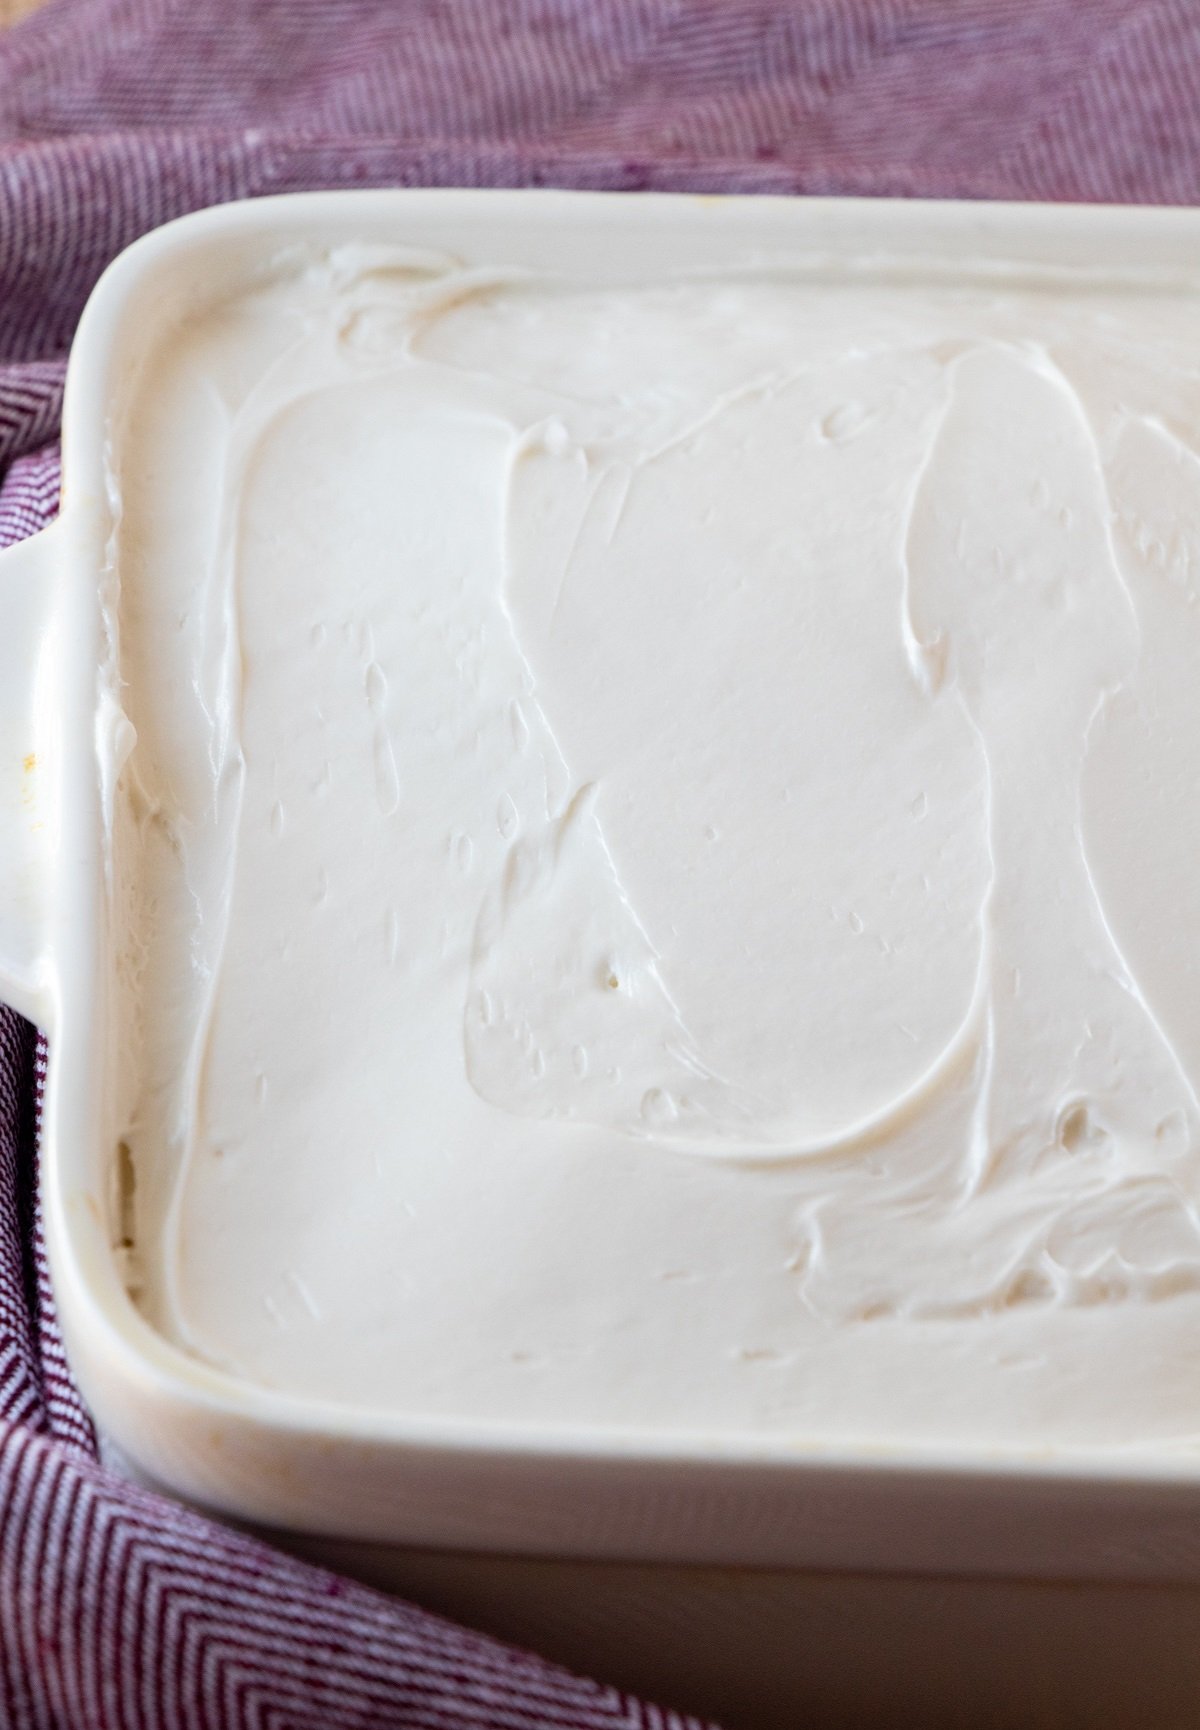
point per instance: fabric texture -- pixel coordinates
(120, 1610)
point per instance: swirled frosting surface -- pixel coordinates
(656, 881)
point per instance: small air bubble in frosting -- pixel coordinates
(659, 1107)
(506, 817)
(1077, 1130)
(843, 422)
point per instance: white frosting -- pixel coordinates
(656, 884)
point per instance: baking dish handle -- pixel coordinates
(29, 585)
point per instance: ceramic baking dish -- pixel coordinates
(268, 1458)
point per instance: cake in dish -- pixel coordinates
(651, 842)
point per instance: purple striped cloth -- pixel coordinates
(117, 1607)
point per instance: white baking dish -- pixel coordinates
(298, 1465)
